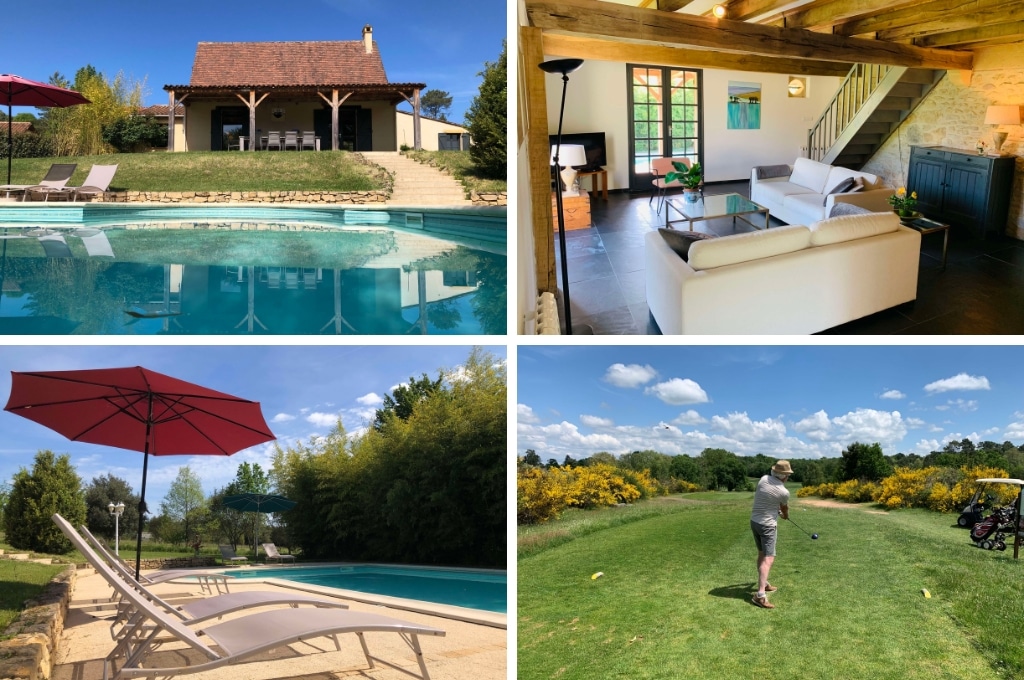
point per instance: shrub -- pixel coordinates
(601, 485)
(542, 494)
(51, 487)
(26, 145)
(827, 490)
(487, 118)
(680, 486)
(855, 491)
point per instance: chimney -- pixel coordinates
(368, 38)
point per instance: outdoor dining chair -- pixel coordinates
(291, 139)
(274, 140)
(308, 140)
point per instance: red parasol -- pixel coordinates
(15, 90)
(139, 410)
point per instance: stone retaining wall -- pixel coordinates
(489, 199)
(28, 655)
(333, 197)
(175, 562)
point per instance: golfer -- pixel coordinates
(770, 500)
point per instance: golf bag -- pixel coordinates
(990, 533)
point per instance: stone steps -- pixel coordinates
(418, 184)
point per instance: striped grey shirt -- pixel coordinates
(770, 494)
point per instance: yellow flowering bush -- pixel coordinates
(827, 490)
(854, 491)
(542, 495)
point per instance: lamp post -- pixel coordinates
(116, 511)
(565, 67)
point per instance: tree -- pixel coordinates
(51, 487)
(102, 492)
(487, 119)
(864, 462)
(401, 402)
(658, 464)
(685, 468)
(435, 104)
(185, 504)
(134, 133)
(5, 493)
(531, 458)
(78, 130)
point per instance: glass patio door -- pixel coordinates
(665, 118)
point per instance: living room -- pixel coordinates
(982, 278)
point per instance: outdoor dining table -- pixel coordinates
(261, 142)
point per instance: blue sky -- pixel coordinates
(443, 45)
(302, 391)
(786, 402)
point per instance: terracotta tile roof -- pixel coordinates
(160, 110)
(287, 63)
(18, 127)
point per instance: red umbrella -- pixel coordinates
(139, 410)
(24, 92)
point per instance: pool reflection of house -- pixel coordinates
(337, 89)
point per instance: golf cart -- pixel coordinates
(989, 533)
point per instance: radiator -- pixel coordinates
(547, 315)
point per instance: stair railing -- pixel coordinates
(860, 83)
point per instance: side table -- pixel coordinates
(598, 180)
(927, 226)
(576, 210)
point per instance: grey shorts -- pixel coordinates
(764, 537)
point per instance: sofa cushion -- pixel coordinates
(804, 208)
(842, 208)
(755, 245)
(851, 227)
(775, 191)
(680, 241)
(850, 185)
(837, 175)
(810, 174)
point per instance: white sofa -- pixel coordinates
(804, 195)
(788, 280)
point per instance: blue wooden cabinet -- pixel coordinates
(961, 188)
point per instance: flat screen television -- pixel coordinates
(593, 145)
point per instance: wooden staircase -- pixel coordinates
(868, 107)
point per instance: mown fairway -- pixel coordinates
(674, 601)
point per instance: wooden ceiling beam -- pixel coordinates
(985, 35)
(605, 20)
(743, 10)
(820, 15)
(958, 22)
(558, 45)
(672, 5)
(918, 13)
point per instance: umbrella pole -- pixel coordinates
(142, 496)
(10, 140)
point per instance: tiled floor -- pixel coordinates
(981, 291)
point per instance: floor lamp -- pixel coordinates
(565, 67)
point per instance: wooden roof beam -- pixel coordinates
(609, 50)
(604, 20)
(957, 22)
(672, 5)
(825, 15)
(742, 10)
(984, 35)
(916, 14)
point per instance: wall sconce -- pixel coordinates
(718, 11)
(277, 113)
(1001, 115)
(797, 87)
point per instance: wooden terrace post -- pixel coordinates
(335, 104)
(252, 104)
(170, 122)
(416, 140)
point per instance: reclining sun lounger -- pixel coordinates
(57, 176)
(54, 245)
(239, 638)
(272, 554)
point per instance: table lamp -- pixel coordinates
(1001, 115)
(572, 157)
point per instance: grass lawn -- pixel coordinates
(459, 165)
(214, 171)
(20, 581)
(674, 601)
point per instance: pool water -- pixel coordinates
(256, 271)
(460, 587)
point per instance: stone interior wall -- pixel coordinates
(953, 115)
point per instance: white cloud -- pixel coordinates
(739, 426)
(914, 423)
(633, 375)
(370, 399)
(963, 404)
(282, 418)
(893, 394)
(865, 424)
(689, 417)
(679, 391)
(525, 414)
(816, 427)
(595, 421)
(322, 419)
(960, 381)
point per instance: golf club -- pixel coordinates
(813, 536)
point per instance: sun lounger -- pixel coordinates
(239, 638)
(272, 554)
(96, 183)
(57, 176)
(54, 245)
(228, 553)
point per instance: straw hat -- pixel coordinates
(782, 468)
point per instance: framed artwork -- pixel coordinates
(744, 108)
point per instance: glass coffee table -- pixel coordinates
(711, 207)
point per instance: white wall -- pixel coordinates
(596, 101)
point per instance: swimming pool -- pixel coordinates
(128, 270)
(475, 589)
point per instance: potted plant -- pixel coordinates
(903, 204)
(689, 176)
